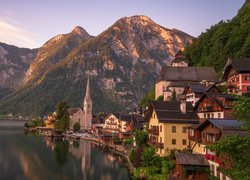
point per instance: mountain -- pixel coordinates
(14, 62)
(227, 39)
(122, 63)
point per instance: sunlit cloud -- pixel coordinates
(13, 33)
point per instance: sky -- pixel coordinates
(30, 23)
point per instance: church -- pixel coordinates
(82, 116)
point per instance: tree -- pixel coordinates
(242, 111)
(141, 138)
(62, 116)
(173, 96)
(150, 158)
(76, 127)
(160, 98)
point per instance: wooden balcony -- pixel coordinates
(207, 108)
(157, 144)
(153, 132)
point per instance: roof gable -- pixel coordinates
(239, 65)
(170, 112)
(191, 159)
(192, 74)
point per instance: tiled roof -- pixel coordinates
(179, 57)
(72, 111)
(215, 97)
(168, 111)
(194, 74)
(226, 123)
(231, 124)
(240, 65)
(200, 88)
(191, 159)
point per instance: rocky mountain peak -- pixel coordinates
(82, 32)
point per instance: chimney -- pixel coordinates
(183, 107)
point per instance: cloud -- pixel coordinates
(13, 33)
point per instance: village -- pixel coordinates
(192, 110)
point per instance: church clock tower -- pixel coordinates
(87, 108)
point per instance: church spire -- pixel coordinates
(87, 95)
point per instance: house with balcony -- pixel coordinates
(214, 105)
(208, 133)
(178, 76)
(168, 122)
(186, 165)
(111, 123)
(194, 91)
(237, 74)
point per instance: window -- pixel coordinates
(219, 115)
(199, 145)
(173, 129)
(173, 141)
(208, 115)
(154, 115)
(160, 128)
(210, 137)
(191, 132)
(212, 115)
(248, 89)
(160, 139)
(184, 129)
(205, 116)
(247, 78)
(184, 142)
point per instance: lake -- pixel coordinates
(33, 157)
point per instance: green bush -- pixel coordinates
(128, 141)
(76, 127)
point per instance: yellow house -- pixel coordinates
(168, 125)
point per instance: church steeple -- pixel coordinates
(87, 108)
(87, 95)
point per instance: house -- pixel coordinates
(176, 77)
(214, 105)
(191, 166)
(111, 123)
(98, 122)
(237, 74)
(168, 124)
(83, 117)
(194, 91)
(208, 133)
(129, 122)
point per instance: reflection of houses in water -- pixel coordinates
(82, 152)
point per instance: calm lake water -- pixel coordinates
(29, 156)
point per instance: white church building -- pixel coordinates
(83, 117)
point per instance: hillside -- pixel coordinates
(122, 63)
(227, 39)
(14, 62)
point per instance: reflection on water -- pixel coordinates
(34, 157)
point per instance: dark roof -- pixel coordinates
(72, 111)
(100, 118)
(233, 132)
(191, 159)
(231, 124)
(200, 88)
(216, 97)
(179, 57)
(239, 65)
(192, 74)
(127, 117)
(181, 83)
(169, 112)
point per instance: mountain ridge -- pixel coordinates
(122, 63)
